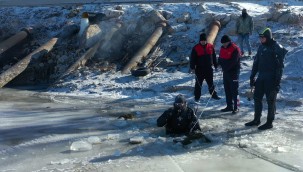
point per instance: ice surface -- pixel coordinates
(49, 131)
(113, 136)
(94, 140)
(121, 123)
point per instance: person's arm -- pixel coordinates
(254, 69)
(193, 59)
(255, 66)
(221, 61)
(214, 58)
(162, 120)
(232, 63)
(280, 53)
(194, 125)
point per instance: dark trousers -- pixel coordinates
(231, 85)
(265, 86)
(200, 77)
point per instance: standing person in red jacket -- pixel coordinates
(229, 60)
(202, 58)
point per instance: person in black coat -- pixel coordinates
(268, 63)
(203, 57)
(229, 60)
(179, 119)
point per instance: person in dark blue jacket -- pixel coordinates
(229, 60)
(269, 64)
(179, 119)
(203, 57)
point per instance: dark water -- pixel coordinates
(27, 115)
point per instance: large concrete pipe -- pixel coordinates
(67, 32)
(213, 31)
(15, 39)
(19, 67)
(108, 37)
(82, 60)
(84, 23)
(91, 51)
(145, 49)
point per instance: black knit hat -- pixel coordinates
(266, 33)
(203, 37)
(225, 39)
(180, 99)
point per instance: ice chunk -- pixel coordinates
(242, 145)
(80, 146)
(113, 136)
(62, 162)
(94, 140)
(136, 140)
(278, 149)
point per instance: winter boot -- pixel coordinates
(215, 96)
(227, 109)
(235, 111)
(253, 123)
(267, 125)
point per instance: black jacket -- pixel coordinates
(204, 61)
(179, 122)
(269, 61)
(231, 63)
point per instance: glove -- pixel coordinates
(252, 82)
(277, 88)
(191, 71)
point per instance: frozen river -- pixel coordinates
(39, 132)
(44, 132)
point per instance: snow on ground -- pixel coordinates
(42, 131)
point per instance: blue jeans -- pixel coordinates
(245, 38)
